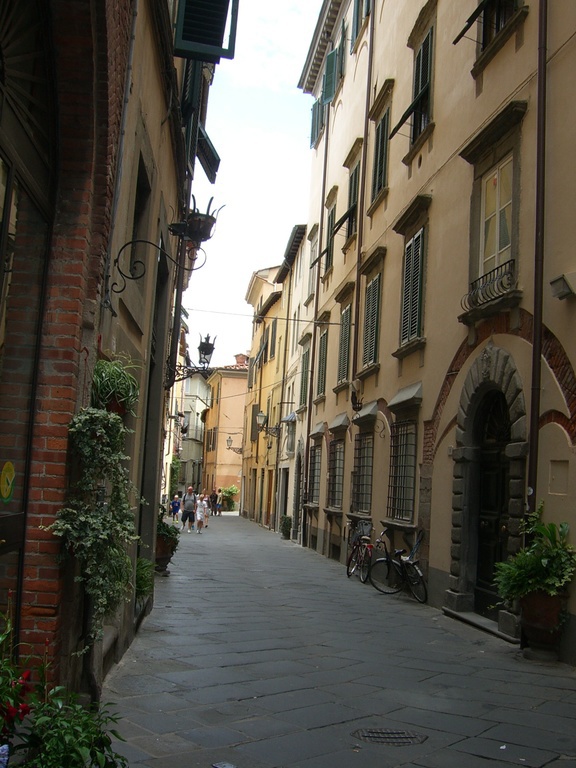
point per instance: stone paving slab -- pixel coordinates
(261, 654)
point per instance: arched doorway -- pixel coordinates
(489, 481)
(492, 432)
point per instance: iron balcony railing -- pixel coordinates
(494, 284)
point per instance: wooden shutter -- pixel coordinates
(273, 338)
(412, 289)
(371, 312)
(380, 155)
(322, 356)
(356, 21)
(344, 346)
(304, 377)
(330, 77)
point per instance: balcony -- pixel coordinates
(491, 293)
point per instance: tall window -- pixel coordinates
(322, 356)
(314, 473)
(361, 10)
(353, 199)
(362, 474)
(371, 322)
(304, 377)
(402, 478)
(318, 119)
(312, 274)
(334, 69)
(496, 216)
(411, 321)
(420, 110)
(336, 473)
(380, 172)
(495, 16)
(329, 255)
(344, 344)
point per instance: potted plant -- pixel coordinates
(167, 540)
(114, 388)
(285, 526)
(538, 576)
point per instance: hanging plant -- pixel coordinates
(114, 388)
(97, 525)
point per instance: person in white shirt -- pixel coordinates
(201, 512)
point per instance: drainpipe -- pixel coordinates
(538, 257)
(316, 305)
(361, 198)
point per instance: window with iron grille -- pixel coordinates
(380, 172)
(336, 473)
(304, 377)
(402, 478)
(411, 320)
(362, 474)
(371, 322)
(322, 356)
(344, 344)
(314, 473)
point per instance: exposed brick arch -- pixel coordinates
(552, 351)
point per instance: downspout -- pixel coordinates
(538, 257)
(361, 198)
(315, 317)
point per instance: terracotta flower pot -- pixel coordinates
(541, 622)
(164, 550)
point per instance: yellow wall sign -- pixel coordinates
(7, 478)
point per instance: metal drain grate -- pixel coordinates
(389, 736)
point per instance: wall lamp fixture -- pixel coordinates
(564, 285)
(262, 420)
(231, 447)
(205, 352)
(196, 228)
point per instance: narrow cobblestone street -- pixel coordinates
(261, 654)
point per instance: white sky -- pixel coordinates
(259, 122)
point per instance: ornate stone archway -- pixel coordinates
(494, 369)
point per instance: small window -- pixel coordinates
(344, 344)
(412, 300)
(371, 322)
(322, 358)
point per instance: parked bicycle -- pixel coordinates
(360, 556)
(391, 573)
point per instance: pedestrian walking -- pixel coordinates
(201, 512)
(188, 509)
(175, 508)
(219, 502)
(213, 501)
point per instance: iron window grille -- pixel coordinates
(336, 473)
(402, 478)
(362, 474)
(314, 474)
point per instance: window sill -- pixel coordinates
(499, 41)
(311, 506)
(319, 399)
(369, 370)
(333, 511)
(301, 409)
(327, 273)
(407, 349)
(355, 516)
(419, 143)
(309, 300)
(349, 242)
(340, 387)
(378, 200)
(398, 525)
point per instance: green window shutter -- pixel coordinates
(304, 377)
(356, 21)
(273, 338)
(344, 345)
(353, 198)
(250, 372)
(381, 155)
(329, 258)
(330, 77)
(412, 290)
(371, 316)
(342, 52)
(423, 64)
(322, 356)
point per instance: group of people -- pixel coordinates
(196, 508)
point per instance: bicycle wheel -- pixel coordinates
(416, 582)
(365, 564)
(352, 563)
(386, 576)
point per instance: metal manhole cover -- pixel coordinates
(389, 736)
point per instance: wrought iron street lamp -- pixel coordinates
(262, 420)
